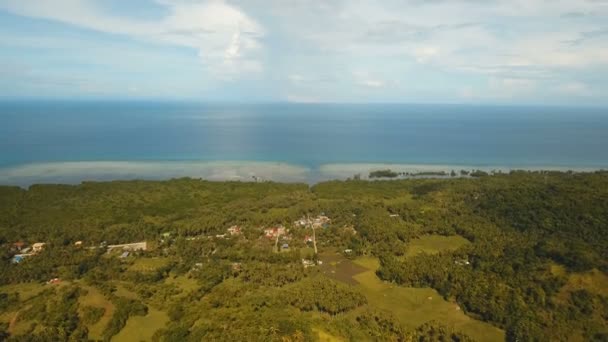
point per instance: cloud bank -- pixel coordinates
(514, 51)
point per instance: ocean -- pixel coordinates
(74, 141)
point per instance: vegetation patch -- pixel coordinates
(414, 307)
(149, 264)
(336, 266)
(433, 244)
(142, 328)
(95, 299)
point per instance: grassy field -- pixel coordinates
(337, 267)
(184, 283)
(123, 291)
(26, 291)
(148, 264)
(593, 281)
(97, 299)
(325, 336)
(17, 324)
(416, 306)
(140, 328)
(433, 244)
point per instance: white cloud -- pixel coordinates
(424, 54)
(226, 38)
(315, 49)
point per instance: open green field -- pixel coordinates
(433, 244)
(17, 324)
(148, 264)
(337, 267)
(184, 283)
(140, 328)
(593, 281)
(26, 290)
(416, 306)
(96, 299)
(325, 336)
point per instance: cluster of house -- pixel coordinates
(274, 232)
(232, 231)
(23, 250)
(310, 263)
(320, 221)
(462, 262)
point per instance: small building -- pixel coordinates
(348, 251)
(285, 246)
(18, 246)
(38, 247)
(274, 232)
(236, 266)
(124, 255)
(165, 236)
(220, 236)
(26, 250)
(234, 230)
(307, 263)
(320, 221)
(307, 239)
(78, 243)
(54, 281)
(18, 258)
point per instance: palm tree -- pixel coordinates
(298, 336)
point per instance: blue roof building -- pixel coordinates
(17, 259)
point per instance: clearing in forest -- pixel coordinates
(337, 267)
(593, 281)
(142, 328)
(149, 264)
(433, 244)
(96, 299)
(416, 306)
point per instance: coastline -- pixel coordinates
(75, 172)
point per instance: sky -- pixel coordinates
(421, 51)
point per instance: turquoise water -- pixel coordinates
(303, 134)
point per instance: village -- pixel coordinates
(280, 238)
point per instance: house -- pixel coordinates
(18, 258)
(462, 262)
(307, 263)
(38, 247)
(320, 221)
(234, 230)
(18, 246)
(78, 243)
(54, 281)
(165, 236)
(132, 247)
(274, 232)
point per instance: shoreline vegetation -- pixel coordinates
(76, 172)
(519, 256)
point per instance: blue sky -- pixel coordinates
(433, 51)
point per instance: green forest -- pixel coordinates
(519, 256)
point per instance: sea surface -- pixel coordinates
(37, 138)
